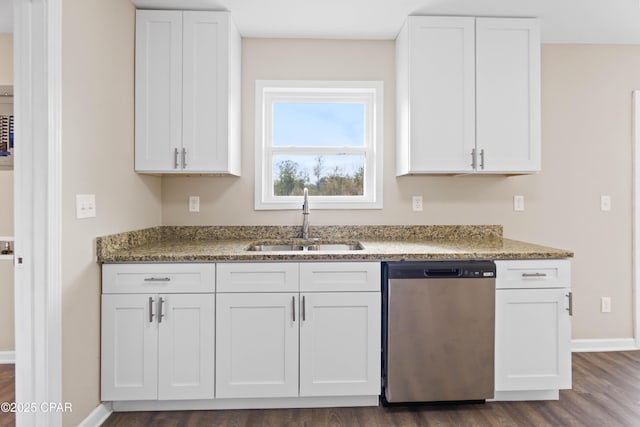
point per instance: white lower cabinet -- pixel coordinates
(157, 346)
(287, 343)
(533, 327)
(257, 344)
(186, 347)
(340, 344)
(129, 349)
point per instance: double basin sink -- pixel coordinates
(305, 246)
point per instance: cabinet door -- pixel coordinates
(441, 93)
(533, 333)
(158, 129)
(186, 355)
(340, 344)
(257, 342)
(508, 94)
(129, 347)
(205, 48)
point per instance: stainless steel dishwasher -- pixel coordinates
(438, 331)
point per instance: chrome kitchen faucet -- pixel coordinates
(305, 215)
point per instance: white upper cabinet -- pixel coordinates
(187, 92)
(508, 94)
(158, 89)
(436, 95)
(468, 95)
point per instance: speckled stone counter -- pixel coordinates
(380, 243)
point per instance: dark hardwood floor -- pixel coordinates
(606, 392)
(7, 393)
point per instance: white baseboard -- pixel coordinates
(513, 396)
(97, 416)
(7, 357)
(613, 344)
(245, 403)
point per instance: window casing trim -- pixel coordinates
(370, 93)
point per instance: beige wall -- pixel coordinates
(6, 266)
(97, 119)
(6, 64)
(6, 214)
(586, 106)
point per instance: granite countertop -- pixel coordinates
(380, 243)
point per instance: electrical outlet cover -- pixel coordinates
(417, 203)
(518, 203)
(194, 203)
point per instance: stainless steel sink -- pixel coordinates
(336, 247)
(274, 248)
(304, 247)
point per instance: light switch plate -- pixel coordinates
(605, 203)
(85, 206)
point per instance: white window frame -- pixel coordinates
(269, 92)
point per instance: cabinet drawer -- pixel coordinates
(158, 278)
(257, 277)
(339, 276)
(533, 274)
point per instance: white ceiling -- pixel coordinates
(563, 21)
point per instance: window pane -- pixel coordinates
(327, 175)
(318, 124)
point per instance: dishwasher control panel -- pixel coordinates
(441, 269)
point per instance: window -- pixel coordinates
(322, 135)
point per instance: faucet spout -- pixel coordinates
(305, 215)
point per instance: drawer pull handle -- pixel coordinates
(534, 274)
(570, 308)
(175, 158)
(157, 279)
(293, 308)
(304, 310)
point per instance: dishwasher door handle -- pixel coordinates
(442, 272)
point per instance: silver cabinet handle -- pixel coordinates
(304, 310)
(151, 301)
(473, 158)
(157, 279)
(534, 274)
(184, 158)
(175, 158)
(160, 310)
(293, 308)
(570, 309)
(482, 159)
